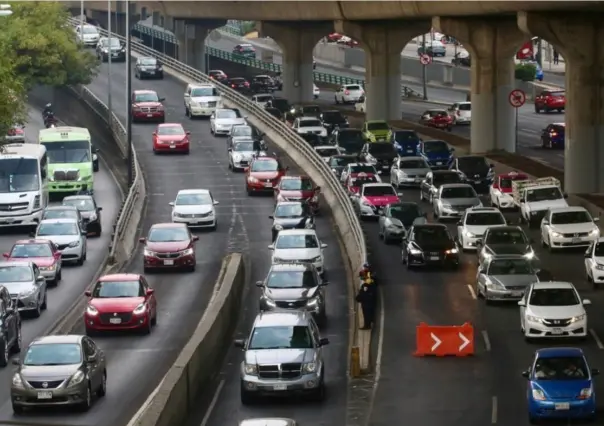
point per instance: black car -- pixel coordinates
(312, 139)
(148, 67)
(349, 140)
(274, 112)
(90, 211)
(462, 59)
(262, 84)
(334, 120)
(291, 215)
(298, 111)
(475, 170)
(429, 244)
(10, 327)
(338, 163)
(239, 84)
(281, 104)
(380, 154)
(505, 241)
(95, 159)
(113, 48)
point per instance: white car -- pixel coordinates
(305, 125)
(241, 154)
(355, 168)
(461, 112)
(349, 94)
(327, 151)
(67, 235)
(553, 309)
(262, 99)
(223, 120)
(408, 171)
(565, 227)
(201, 100)
(475, 222)
(594, 262)
(315, 91)
(300, 245)
(88, 35)
(195, 208)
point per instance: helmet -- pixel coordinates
(49, 105)
(366, 265)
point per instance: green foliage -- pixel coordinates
(525, 72)
(248, 27)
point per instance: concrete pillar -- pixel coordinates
(297, 41)
(383, 44)
(578, 38)
(191, 35)
(492, 44)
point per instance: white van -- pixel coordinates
(201, 100)
(461, 112)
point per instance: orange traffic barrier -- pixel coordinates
(444, 340)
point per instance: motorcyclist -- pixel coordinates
(48, 111)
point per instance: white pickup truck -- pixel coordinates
(535, 197)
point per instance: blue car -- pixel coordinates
(437, 154)
(552, 136)
(538, 69)
(406, 142)
(560, 386)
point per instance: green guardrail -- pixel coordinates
(162, 35)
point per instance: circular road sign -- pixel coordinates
(517, 98)
(425, 59)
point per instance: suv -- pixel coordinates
(246, 50)
(283, 355)
(553, 136)
(550, 100)
(201, 100)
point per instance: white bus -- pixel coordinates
(23, 184)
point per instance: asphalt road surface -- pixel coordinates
(136, 364)
(75, 278)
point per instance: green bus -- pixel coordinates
(69, 153)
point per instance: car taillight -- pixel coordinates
(212, 77)
(553, 134)
(347, 92)
(247, 84)
(233, 86)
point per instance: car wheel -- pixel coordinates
(17, 409)
(187, 112)
(154, 319)
(319, 394)
(336, 100)
(537, 109)
(18, 341)
(87, 403)
(38, 311)
(246, 397)
(533, 420)
(44, 301)
(421, 196)
(387, 239)
(59, 275)
(4, 353)
(102, 390)
(146, 330)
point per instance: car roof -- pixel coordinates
(559, 124)
(57, 338)
(568, 209)
(119, 277)
(280, 318)
(558, 352)
(201, 85)
(456, 185)
(297, 232)
(268, 421)
(505, 228)
(61, 207)
(430, 225)
(552, 284)
(442, 172)
(378, 184)
(34, 241)
(193, 191)
(292, 266)
(169, 225)
(291, 203)
(60, 220)
(170, 125)
(142, 91)
(307, 118)
(16, 263)
(326, 147)
(299, 177)
(484, 210)
(508, 257)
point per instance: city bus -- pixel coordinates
(70, 159)
(23, 184)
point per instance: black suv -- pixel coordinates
(148, 67)
(262, 84)
(429, 245)
(10, 327)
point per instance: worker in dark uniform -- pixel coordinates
(367, 297)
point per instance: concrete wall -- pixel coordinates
(331, 52)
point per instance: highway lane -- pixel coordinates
(457, 391)
(75, 278)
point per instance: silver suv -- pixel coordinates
(282, 356)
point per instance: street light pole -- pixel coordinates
(128, 94)
(82, 21)
(424, 74)
(109, 107)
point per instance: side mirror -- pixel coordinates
(521, 303)
(161, 99)
(271, 247)
(171, 203)
(188, 133)
(91, 358)
(545, 222)
(240, 343)
(88, 293)
(195, 238)
(381, 213)
(216, 202)
(229, 149)
(400, 194)
(318, 188)
(259, 283)
(323, 245)
(586, 302)
(526, 374)
(9, 310)
(596, 219)
(40, 278)
(459, 223)
(595, 372)
(246, 169)
(100, 209)
(32, 235)
(6, 255)
(16, 361)
(142, 240)
(150, 291)
(324, 283)
(451, 149)
(271, 216)
(492, 166)
(57, 255)
(95, 150)
(323, 341)
(84, 232)
(587, 255)
(154, 133)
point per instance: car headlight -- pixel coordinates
(555, 234)
(148, 253)
(91, 310)
(600, 267)
(252, 179)
(177, 214)
(237, 157)
(538, 395)
(195, 104)
(93, 217)
(187, 252)
(104, 50)
(315, 259)
(577, 318)
(278, 227)
(140, 309)
(469, 234)
(48, 268)
(309, 367)
(415, 252)
(250, 369)
(530, 255)
(446, 206)
(594, 232)
(585, 393)
(17, 380)
(534, 319)
(452, 251)
(74, 244)
(312, 302)
(77, 378)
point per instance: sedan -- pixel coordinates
(171, 137)
(291, 215)
(195, 208)
(301, 245)
(567, 227)
(41, 252)
(594, 263)
(16, 134)
(148, 67)
(169, 246)
(298, 188)
(120, 302)
(437, 118)
(408, 171)
(223, 120)
(110, 48)
(26, 286)
(263, 175)
(397, 218)
(90, 211)
(67, 235)
(504, 278)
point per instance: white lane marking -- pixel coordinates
(487, 340)
(472, 292)
(494, 410)
(596, 338)
(210, 409)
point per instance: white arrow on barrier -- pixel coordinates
(465, 341)
(437, 341)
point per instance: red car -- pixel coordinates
(171, 137)
(41, 252)
(550, 100)
(147, 106)
(357, 180)
(218, 75)
(15, 134)
(263, 174)
(120, 302)
(298, 188)
(437, 118)
(169, 246)
(334, 37)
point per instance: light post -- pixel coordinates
(109, 106)
(128, 94)
(82, 21)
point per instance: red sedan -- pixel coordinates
(437, 118)
(356, 181)
(147, 106)
(298, 188)
(171, 137)
(120, 302)
(263, 175)
(41, 252)
(169, 246)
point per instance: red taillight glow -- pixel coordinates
(233, 86)
(553, 134)
(247, 84)
(347, 92)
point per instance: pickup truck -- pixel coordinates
(535, 197)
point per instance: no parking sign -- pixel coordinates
(425, 59)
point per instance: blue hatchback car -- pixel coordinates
(406, 142)
(560, 385)
(437, 154)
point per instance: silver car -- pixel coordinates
(282, 356)
(223, 120)
(242, 152)
(67, 235)
(59, 370)
(63, 212)
(26, 285)
(504, 278)
(452, 200)
(408, 171)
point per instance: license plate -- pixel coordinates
(149, 115)
(439, 163)
(115, 320)
(268, 185)
(172, 146)
(477, 182)
(576, 240)
(562, 405)
(151, 72)
(194, 223)
(45, 395)
(280, 387)
(557, 331)
(385, 167)
(168, 262)
(410, 151)
(434, 258)
(517, 294)
(114, 55)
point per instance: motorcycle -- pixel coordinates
(50, 122)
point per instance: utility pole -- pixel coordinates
(128, 94)
(424, 73)
(109, 106)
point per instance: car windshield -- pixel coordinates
(436, 147)
(291, 279)
(599, 250)
(237, 80)
(60, 228)
(310, 123)
(262, 78)
(327, 152)
(465, 107)
(67, 152)
(265, 166)
(228, 113)
(353, 87)
(302, 241)
(170, 130)
(510, 267)
(333, 117)
(413, 164)
(557, 94)
(146, 97)
(280, 104)
(281, 337)
(439, 179)
(263, 98)
(543, 194)
(405, 136)
(247, 48)
(204, 91)
(90, 30)
(565, 218)
(554, 297)
(459, 192)
(477, 164)
(148, 61)
(53, 354)
(379, 191)
(382, 148)
(377, 125)
(406, 213)
(505, 236)
(245, 146)
(289, 210)
(312, 139)
(506, 182)
(193, 199)
(311, 110)
(561, 368)
(116, 289)
(30, 250)
(82, 204)
(242, 131)
(16, 273)
(432, 235)
(362, 168)
(60, 214)
(341, 161)
(167, 235)
(485, 219)
(296, 185)
(362, 180)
